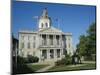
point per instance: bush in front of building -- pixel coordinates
(64, 61)
(60, 62)
(32, 59)
(29, 59)
(21, 60)
(68, 59)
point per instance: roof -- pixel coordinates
(27, 31)
(51, 30)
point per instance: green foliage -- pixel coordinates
(87, 66)
(82, 46)
(87, 44)
(21, 60)
(60, 62)
(64, 61)
(32, 59)
(68, 59)
(92, 38)
(22, 69)
(29, 59)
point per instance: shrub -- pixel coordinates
(29, 59)
(32, 59)
(68, 59)
(60, 62)
(21, 59)
(64, 61)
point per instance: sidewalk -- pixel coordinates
(45, 68)
(88, 61)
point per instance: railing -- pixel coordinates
(50, 45)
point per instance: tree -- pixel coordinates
(92, 38)
(87, 44)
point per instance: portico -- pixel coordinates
(52, 40)
(50, 54)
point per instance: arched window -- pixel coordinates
(46, 24)
(42, 25)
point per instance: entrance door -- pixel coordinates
(51, 53)
(44, 54)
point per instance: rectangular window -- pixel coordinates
(33, 44)
(64, 51)
(44, 42)
(58, 53)
(69, 45)
(28, 45)
(44, 54)
(51, 53)
(22, 45)
(22, 37)
(33, 53)
(57, 38)
(57, 41)
(28, 37)
(34, 38)
(51, 40)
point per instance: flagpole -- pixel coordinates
(58, 23)
(36, 17)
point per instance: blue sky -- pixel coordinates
(72, 18)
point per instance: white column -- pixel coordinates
(55, 43)
(40, 40)
(60, 40)
(47, 39)
(60, 53)
(53, 40)
(40, 55)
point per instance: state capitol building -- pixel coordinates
(48, 43)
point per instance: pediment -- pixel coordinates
(50, 30)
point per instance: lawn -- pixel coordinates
(88, 66)
(25, 69)
(36, 67)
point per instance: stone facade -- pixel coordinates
(47, 43)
